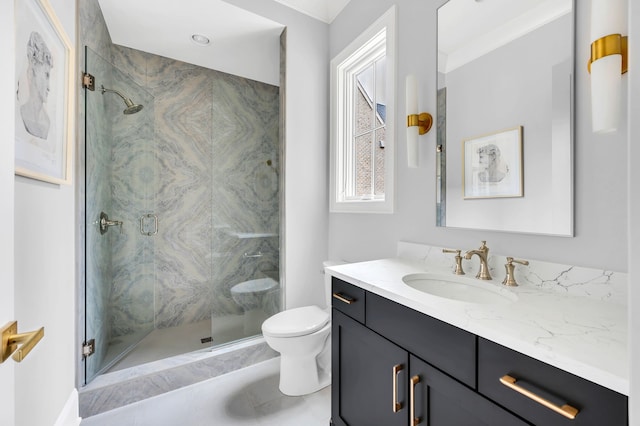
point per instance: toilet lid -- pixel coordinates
(296, 322)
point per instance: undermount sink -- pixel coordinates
(461, 289)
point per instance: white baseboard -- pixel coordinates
(69, 416)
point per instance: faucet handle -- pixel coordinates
(510, 280)
(458, 270)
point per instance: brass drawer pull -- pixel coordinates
(414, 421)
(565, 410)
(397, 406)
(341, 297)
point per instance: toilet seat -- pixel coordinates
(296, 322)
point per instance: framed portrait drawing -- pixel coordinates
(44, 100)
(493, 165)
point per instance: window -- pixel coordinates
(362, 112)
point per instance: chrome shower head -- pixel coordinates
(131, 107)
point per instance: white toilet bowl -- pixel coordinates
(303, 337)
(299, 335)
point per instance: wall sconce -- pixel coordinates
(417, 123)
(608, 62)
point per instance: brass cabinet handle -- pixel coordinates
(341, 297)
(11, 339)
(397, 406)
(414, 421)
(565, 410)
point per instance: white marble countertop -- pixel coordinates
(584, 336)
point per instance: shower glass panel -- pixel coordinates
(120, 182)
(194, 177)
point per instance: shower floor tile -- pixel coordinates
(167, 342)
(245, 397)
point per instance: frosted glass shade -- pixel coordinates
(607, 17)
(412, 131)
(412, 147)
(606, 88)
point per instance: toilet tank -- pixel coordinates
(327, 281)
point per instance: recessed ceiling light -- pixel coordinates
(200, 39)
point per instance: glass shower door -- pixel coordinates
(121, 174)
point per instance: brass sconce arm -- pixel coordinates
(11, 339)
(424, 121)
(613, 44)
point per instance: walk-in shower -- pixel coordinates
(182, 205)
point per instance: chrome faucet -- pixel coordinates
(483, 254)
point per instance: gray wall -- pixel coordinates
(600, 163)
(634, 212)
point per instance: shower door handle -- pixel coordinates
(143, 227)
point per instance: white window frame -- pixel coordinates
(379, 38)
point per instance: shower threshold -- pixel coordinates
(128, 385)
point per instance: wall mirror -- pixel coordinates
(504, 122)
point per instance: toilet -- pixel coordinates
(249, 296)
(302, 337)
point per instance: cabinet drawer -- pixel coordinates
(449, 348)
(348, 299)
(596, 405)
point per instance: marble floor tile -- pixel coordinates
(249, 396)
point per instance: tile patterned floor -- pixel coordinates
(248, 397)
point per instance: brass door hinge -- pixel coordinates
(88, 81)
(88, 348)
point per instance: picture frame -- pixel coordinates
(492, 165)
(43, 94)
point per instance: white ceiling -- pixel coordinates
(323, 10)
(239, 39)
(242, 43)
(467, 29)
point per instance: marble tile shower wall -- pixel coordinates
(133, 185)
(217, 198)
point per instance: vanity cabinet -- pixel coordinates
(392, 365)
(375, 381)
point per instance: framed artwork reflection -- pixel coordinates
(493, 165)
(43, 96)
